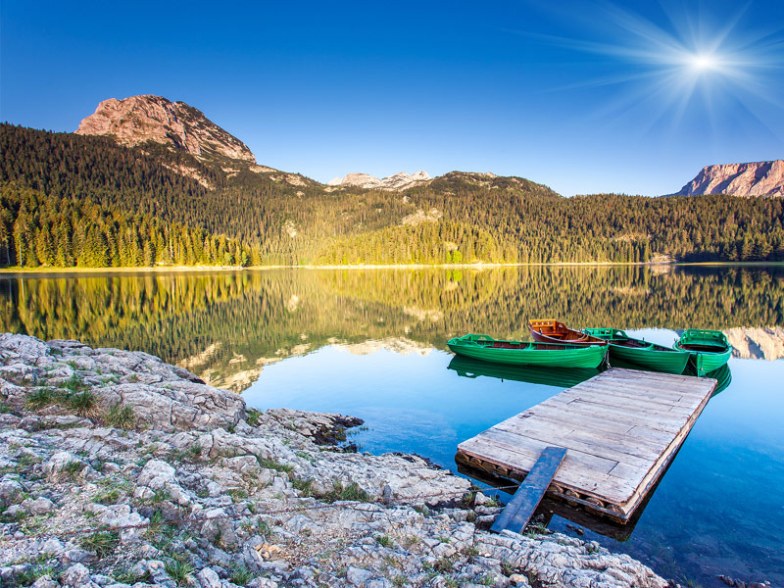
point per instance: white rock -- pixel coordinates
(156, 474)
(39, 506)
(63, 466)
(76, 576)
(208, 578)
(358, 576)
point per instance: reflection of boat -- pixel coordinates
(561, 355)
(641, 353)
(552, 331)
(709, 349)
(473, 368)
(723, 375)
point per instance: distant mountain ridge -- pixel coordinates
(398, 181)
(139, 119)
(762, 178)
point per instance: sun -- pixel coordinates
(702, 62)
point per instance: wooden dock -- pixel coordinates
(620, 428)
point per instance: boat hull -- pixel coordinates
(658, 361)
(485, 348)
(709, 350)
(644, 354)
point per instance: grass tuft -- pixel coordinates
(178, 570)
(240, 575)
(81, 402)
(385, 541)
(272, 464)
(103, 543)
(120, 416)
(351, 491)
(252, 417)
(42, 397)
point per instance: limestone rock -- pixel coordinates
(63, 466)
(76, 576)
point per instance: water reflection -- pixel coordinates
(227, 327)
(564, 378)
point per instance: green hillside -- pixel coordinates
(149, 204)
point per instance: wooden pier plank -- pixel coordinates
(529, 494)
(620, 428)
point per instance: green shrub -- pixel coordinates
(31, 574)
(191, 454)
(72, 468)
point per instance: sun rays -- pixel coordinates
(679, 65)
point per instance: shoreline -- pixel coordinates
(120, 469)
(16, 271)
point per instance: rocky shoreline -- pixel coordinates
(118, 469)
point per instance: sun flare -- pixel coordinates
(703, 62)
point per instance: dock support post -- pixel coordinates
(529, 494)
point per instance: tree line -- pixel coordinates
(144, 208)
(39, 230)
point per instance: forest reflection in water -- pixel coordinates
(226, 326)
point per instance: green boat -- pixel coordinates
(559, 355)
(709, 350)
(641, 353)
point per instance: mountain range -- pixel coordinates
(147, 181)
(146, 118)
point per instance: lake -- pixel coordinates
(373, 344)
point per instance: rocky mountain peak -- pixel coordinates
(398, 181)
(762, 178)
(138, 119)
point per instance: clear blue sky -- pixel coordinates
(630, 97)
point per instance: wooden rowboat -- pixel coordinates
(709, 350)
(552, 331)
(641, 353)
(562, 355)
